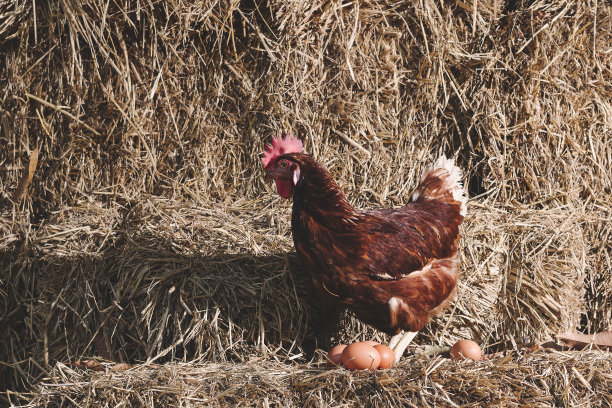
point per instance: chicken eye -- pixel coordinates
(284, 163)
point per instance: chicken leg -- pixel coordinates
(400, 342)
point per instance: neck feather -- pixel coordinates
(318, 195)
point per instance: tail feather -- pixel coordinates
(442, 181)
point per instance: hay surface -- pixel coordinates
(148, 233)
(543, 379)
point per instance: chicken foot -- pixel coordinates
(400, 342)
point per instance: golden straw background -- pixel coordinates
(147, 233)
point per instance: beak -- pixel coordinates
(270, 175)
(276, 172)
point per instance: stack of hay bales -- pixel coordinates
(148, 233)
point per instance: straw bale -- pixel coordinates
(543, 294)
(539, 380)
(148, 233)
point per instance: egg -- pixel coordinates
(387, 356)
(466, 349)
(360, 356)
(333, 357)
(371, 343)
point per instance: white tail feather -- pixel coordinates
(452, 182)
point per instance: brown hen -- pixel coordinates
(394, 268)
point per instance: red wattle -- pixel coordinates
(284, 188)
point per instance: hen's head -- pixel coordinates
(279, 166)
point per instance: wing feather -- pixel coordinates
(407, 240)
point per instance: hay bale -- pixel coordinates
(542, 379)
(148, 233)
(160, 290)
(543, 292)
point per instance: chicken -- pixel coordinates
(393, 268)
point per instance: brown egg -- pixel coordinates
(360, 356)
(387, 356)
(466, 349)
(371, 343)
(333, 357)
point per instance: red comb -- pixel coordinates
(280, 146)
